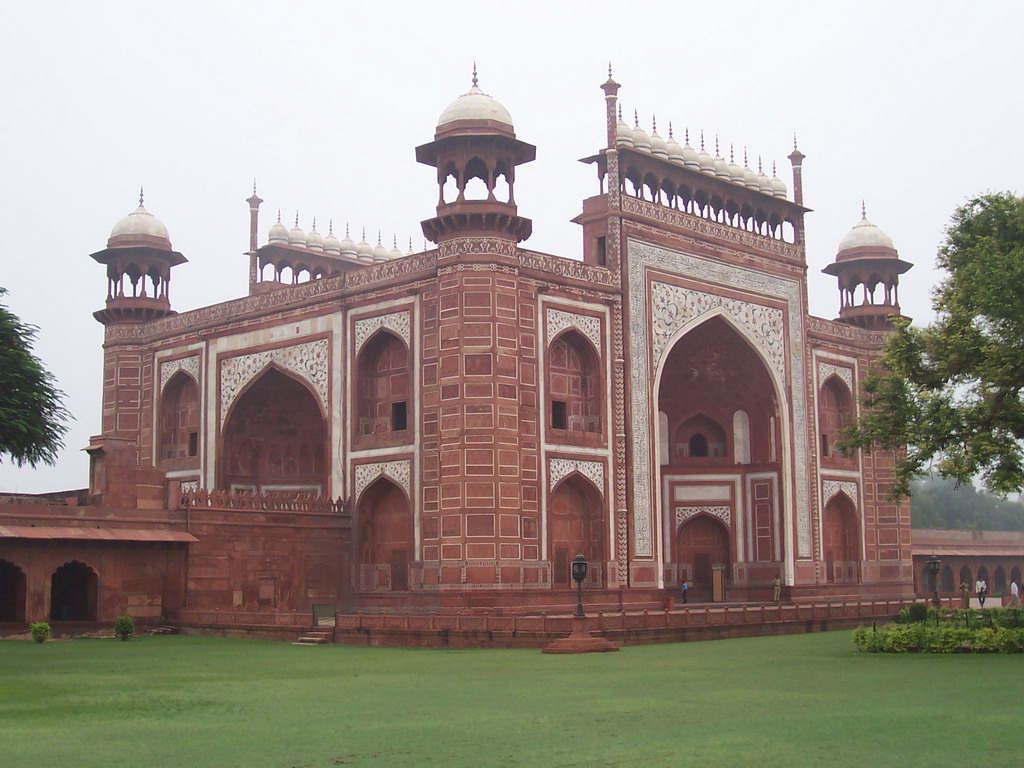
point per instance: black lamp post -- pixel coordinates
(933, 569)
(579, 573)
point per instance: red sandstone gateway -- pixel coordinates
(442, 432)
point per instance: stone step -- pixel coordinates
(310, 641)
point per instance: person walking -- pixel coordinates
(1014, 593)
(776, 588)
(683, 590)
(981, 590)
(965, 594)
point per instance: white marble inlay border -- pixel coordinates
(395, 321)
(189, 365)
(559, 468)
(399, 471)
(306, 360)
(588, 325)
(644, 256)
(684, 513)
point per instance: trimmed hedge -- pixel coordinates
(997, 630)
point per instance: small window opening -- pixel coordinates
(398, 416)
(558, 414)
(193, 443)
(602, 253)
(698, 445)
(824, 445)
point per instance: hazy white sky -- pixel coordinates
(912, 106)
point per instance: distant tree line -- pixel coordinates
(938, 502)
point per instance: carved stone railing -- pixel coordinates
(270, 501)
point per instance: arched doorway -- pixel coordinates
(275, 438)
(701, 544)
(385, 537)
(12, 592)
(575, 528)
(965, 578)
(841, 546)
(73, 593)
(947, 586)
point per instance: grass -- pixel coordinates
(806, 700)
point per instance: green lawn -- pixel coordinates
(807, 700)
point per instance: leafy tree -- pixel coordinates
(32, 412)
(950, 393)
(945, 504)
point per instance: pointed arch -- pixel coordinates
(12, 592)
(274, 421)
(74, 592)
(574, 384)
(835, 411)
(383, 386)
(840, 539)
(576, 526)
(385, 529)
(701, 543)
(179, 420)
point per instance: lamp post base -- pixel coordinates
(580, 641)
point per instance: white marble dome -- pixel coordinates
(474, 104)
(865, 235)
(140, 223)
(278, 233)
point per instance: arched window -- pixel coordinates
(383, 387)
(574, 385)
(179, 421)
(836, 410)
(73, 593)
(700, 437)
(275, 438)
(965, 578)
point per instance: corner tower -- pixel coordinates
(475, 140)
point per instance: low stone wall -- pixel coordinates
(692, 623)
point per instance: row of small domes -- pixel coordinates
(670, 149)
(280, 235)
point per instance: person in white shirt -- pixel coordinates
(1014, 593)
(981, 589)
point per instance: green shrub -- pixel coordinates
(40, 631)
(124, 627)
(917, 612)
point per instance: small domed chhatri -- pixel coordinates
(137, 227)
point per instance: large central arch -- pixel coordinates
(275, 438)
(721, 447)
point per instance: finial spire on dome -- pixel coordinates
(746, 163)
(314, 223)
(654, 123)
(794, 140)
(378, 238)
(254, 185)
(636, 119)
(278, 215)
(670, 130)
(330, 226)
(732, 156)
(701, 139)
(620, 111)
(863, 210)
(474, 75)
(773, 169)
(717, 153)
(759, 169)
(141, 196)
(609, 70)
